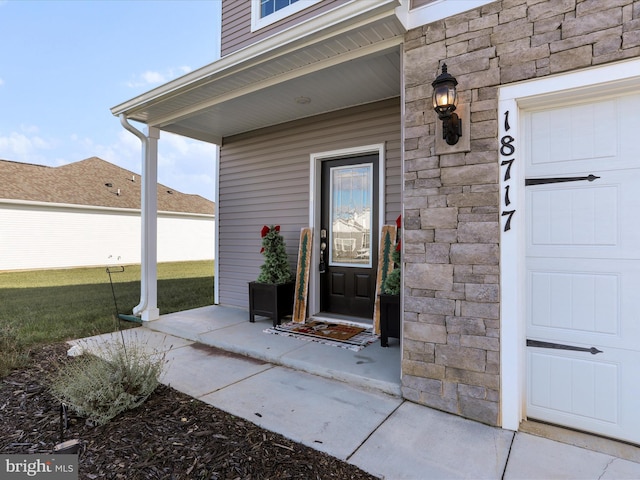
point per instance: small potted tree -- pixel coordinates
(390, 295)
(271, 295)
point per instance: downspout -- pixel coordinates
(147, 307)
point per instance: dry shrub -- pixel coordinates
(101, 388)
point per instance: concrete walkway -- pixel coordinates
(348, 404)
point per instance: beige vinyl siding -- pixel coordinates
(264, 179)
(236, 23)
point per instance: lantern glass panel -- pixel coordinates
(444, 98)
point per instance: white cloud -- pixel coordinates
(32, 129)
(186, 165)
(25, 147)
(150, 78)
(1, 80)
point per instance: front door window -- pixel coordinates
(350, 212)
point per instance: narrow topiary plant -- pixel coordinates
(275, 269)
(391, 285)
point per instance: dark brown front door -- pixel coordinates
(349, 231)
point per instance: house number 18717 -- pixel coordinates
(507, 149)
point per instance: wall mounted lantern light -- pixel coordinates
(445, 101)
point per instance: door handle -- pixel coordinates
(323, 247)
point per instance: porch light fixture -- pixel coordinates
(445, 101)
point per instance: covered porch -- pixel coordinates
(229, 329)
(287, 83)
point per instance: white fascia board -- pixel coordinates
(402, 12)
(74, 206)
(278, 44)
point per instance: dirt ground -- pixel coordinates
(171, 436)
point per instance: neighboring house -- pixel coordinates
(87, 213)
(498, 264)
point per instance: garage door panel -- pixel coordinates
(574, 216)
(586, 302)
(573, 138)
(573, 133)
(584, 390)
(593, 219)
(575, 386)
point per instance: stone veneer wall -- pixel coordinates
(451, 348)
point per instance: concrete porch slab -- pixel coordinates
(192, 323)
(229, 329)
(249, 339)
(372, 367)
(324, 414)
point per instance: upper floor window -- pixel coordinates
(267, 7)
(266, 12)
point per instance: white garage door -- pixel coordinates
(583, 266)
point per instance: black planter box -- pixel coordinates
(389, 318)
(269, 300)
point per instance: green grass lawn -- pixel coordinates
(47, 306)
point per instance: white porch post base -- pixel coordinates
(150, 314)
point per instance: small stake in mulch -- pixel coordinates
(70, 446)
(120, 316)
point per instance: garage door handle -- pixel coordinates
(559, 346)
(542, 181)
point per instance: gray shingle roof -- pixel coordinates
(92, 181)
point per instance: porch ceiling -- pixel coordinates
(334, 68)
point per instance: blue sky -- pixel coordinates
(64, 64)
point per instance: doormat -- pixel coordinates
(334, 334)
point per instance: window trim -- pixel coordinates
(257, 22)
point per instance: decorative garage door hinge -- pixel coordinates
(542, 181)
(559, 346)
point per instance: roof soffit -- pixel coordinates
(190, 106)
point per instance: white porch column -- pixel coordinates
(148, 307)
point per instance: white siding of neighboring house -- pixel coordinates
(41, 235)
(184, 237)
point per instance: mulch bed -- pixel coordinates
(171, 436)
